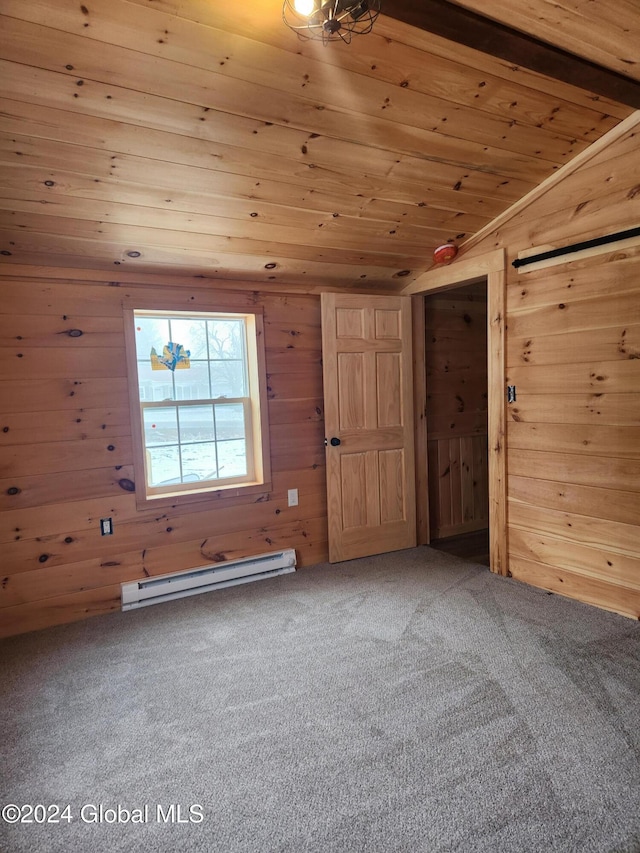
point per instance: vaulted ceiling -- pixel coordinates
(203, 138)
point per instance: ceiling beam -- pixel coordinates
(464, 27)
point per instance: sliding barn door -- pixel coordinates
(368, 392)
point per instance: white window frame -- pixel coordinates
(255, 407)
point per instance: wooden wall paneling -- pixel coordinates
(50, 363)
(597, 538)
(459, 491)
(489, 266)
(606, 594)
(588, 377)
(66, 459)
(498, 509)
(600, 440)
(604, 344)
(48, 520)
(420, 414)
(53, 582)
(166, 527)
(582, 469)
(64, 456)
(56, 426)
(592, 408)
(455, 480)
(444, 501)
(456, 356)
(63, 395)
(51, 331)
(296, 411)
(593, 532)
(575, 315)
(433, 485)
(481, 478)
(611, 566)
(584, 279)
(582, 221)
(466, 478)
(473, 422)
(60, 610)
(58, 300)
(38, 490)
(572, 351)
(597, 158)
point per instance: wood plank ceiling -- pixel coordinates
(606, 33)
(200, 137)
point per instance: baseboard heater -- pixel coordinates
(217, 576)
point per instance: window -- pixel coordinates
(198, 406)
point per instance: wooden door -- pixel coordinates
(368, 392)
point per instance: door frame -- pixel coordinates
(489, 267)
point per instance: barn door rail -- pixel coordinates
(572, 248)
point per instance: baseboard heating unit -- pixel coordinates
(205, 579)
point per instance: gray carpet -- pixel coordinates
(406, 702)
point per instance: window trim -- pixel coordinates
(257, 380)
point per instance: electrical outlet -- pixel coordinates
(293, 497)
(106, 526)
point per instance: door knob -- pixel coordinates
(335, 442)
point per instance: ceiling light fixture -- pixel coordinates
(330, 20)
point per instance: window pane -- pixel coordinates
(160, 426)
(226, 339)
(232, 456)
(192, 383)
(199, 461)
(230, 421)
(163, 465)
(227, 379)
(196, 424)
(151, 332)
(154, 385)
(192, 334)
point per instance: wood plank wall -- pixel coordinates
(573, 352)
(456, 356)
(66, 456)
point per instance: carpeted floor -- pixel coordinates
(407, 702)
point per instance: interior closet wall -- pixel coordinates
(456, 358)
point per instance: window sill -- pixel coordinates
(226, 496)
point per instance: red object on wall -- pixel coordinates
(444, 254)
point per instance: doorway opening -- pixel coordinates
(457, 427)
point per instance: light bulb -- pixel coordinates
(304, 7)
